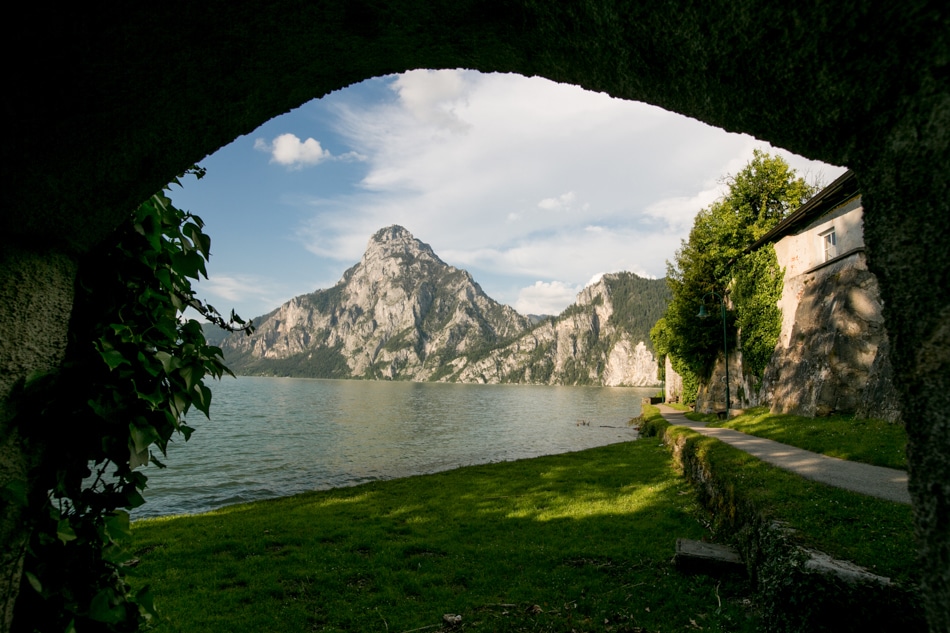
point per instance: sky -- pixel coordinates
(536, 188)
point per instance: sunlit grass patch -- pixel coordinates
(844, 436)
(871, 532)
(581, 541)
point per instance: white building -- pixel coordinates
(831, 355)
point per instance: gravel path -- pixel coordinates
(884, 483)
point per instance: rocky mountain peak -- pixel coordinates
(396, 241)
(390, 234)
(402, 313)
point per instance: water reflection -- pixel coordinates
(278, 436)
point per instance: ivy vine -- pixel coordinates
(134, 367)
(756, 290)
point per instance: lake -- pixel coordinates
(271, 437)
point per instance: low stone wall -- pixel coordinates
(799, 590)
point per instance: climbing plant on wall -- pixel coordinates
(756, 289)
(135, 365)
(713, 259)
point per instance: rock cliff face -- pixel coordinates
(400, 313)
(600, 340)
(403, 314)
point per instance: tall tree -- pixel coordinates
(760, 196)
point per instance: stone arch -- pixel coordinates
(106, 103)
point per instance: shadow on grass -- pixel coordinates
(581, 541)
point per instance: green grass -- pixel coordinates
(575, 542)
(870, 441)
(678, 406)
(873, 533)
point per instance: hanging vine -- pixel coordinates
(134, 367)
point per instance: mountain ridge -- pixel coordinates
(401, 313)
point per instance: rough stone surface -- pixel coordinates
(706, 558)
(36, 295)
(821, 563)
(744, 390)
(672, 384)
(832, 356)
(879, 398)
(863, 84)
(834, 341)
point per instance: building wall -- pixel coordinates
(832, 350)
(803, 251)
(832, 355)
(673, 383)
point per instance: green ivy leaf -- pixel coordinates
(112, 357)
(118, 527)
(202, 399)
(65, 532)
(104, 608)
(146, 602)
(14, 492)
(34, 581)
(142, 436)
(155, 460)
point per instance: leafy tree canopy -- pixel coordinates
(760, 196)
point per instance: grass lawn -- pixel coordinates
(575, 542)
(844, 436)
(873, 533)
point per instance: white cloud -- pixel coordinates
(258, 294)
(433, 96)
(678, 212)
(545, 297)
(563, 202)
(522, 178)
(288, 150)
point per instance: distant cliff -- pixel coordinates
(402, 313)
(600, 340)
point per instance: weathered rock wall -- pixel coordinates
(36, 294)
(744, 389)
(832, 355)
(837, 337)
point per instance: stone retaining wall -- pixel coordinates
(799, 590)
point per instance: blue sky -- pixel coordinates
(535, 188)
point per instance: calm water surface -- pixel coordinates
(271, 437)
